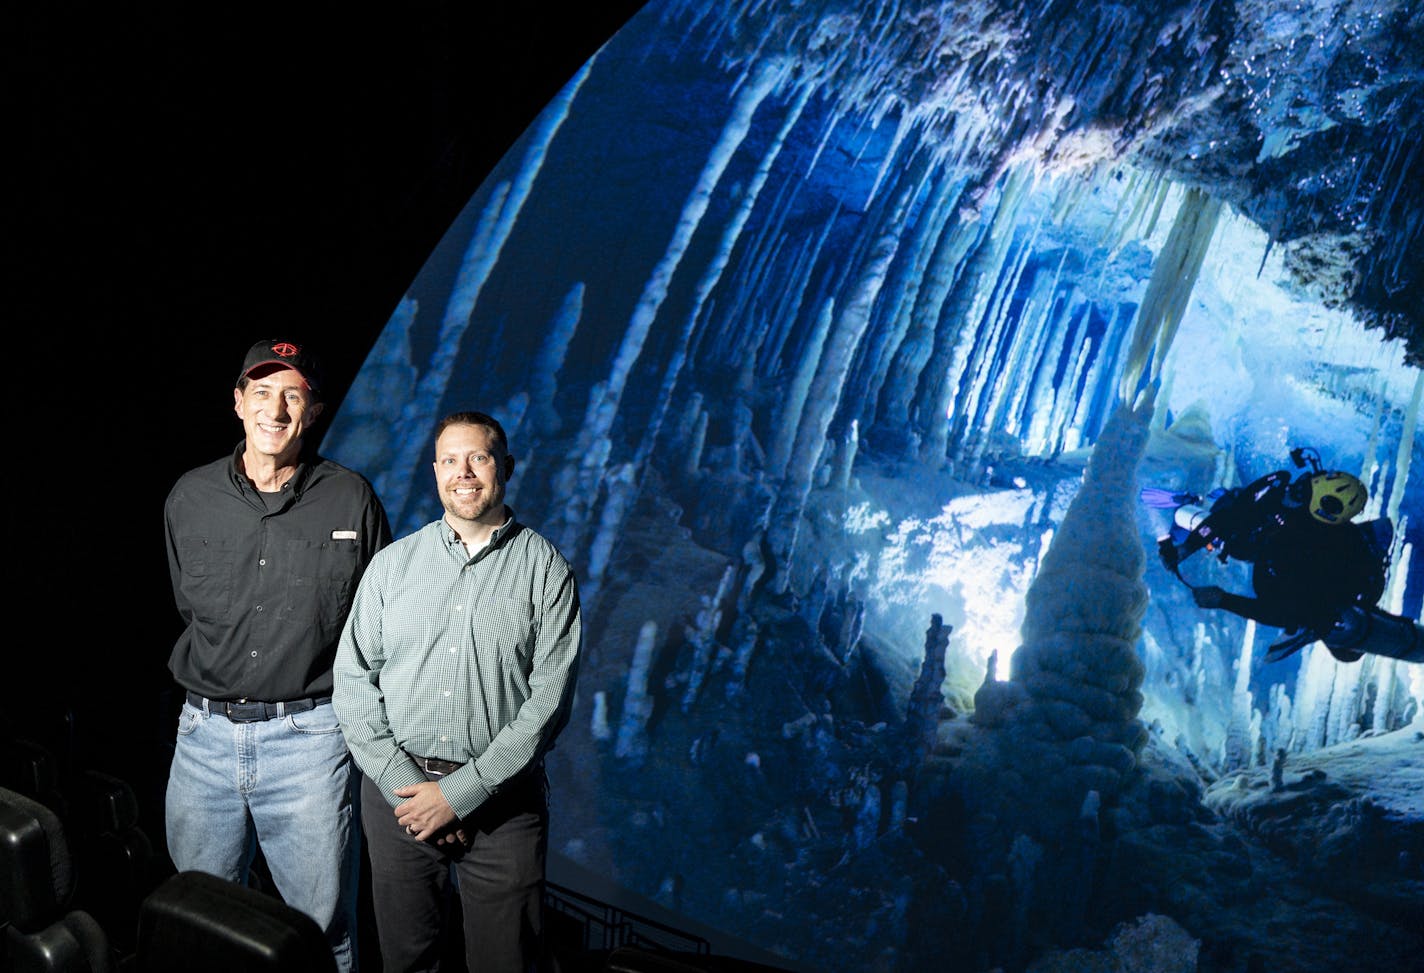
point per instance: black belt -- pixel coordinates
(437, 767)
(252, 711)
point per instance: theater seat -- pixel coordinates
(41, 933)
(115, 856)
(195, 921)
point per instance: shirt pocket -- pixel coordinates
(205, 577)
(508, 622)
(323, 581)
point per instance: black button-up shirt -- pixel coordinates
(263, 593)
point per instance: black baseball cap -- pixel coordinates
(280, 351)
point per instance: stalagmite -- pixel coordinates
(701, 635)
(1084, 610)
(598, 724)
(1238, 728)
(927, 695)
(632, 743)
(621, 488)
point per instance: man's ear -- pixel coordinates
(237, 402)
(508, 465)
(315, 410)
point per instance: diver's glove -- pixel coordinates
(1167, 551)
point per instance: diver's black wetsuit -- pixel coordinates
(1305, 573)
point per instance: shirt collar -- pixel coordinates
(293, 486)
(452, 539)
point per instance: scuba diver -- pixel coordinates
(1316, 573)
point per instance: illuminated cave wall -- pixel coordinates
(835, 341)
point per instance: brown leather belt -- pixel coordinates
(433, 766)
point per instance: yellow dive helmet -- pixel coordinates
(1336, 497)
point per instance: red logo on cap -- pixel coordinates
(284, 350)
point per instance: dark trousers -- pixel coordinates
(498, 878)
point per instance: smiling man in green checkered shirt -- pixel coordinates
(454, 675)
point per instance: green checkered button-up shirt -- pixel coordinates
(458, 657)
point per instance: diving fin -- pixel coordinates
(1290, 645)
(1162, 498)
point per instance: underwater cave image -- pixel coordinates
(838, 343)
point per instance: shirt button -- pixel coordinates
(447, 692)
(254, 653)
(443, 739)
(452, 648)
(259, 608)
(262, 561)
(459, 608)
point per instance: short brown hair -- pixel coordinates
(474, 419)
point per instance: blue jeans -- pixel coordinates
(287, 784)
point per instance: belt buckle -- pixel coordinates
(230, 705)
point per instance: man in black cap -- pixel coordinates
(265, 548)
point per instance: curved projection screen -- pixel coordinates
(837, 343)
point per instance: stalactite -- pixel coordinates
(598, 723)
(411, 432)
(1174, 274)
(1034, 323)
(1043, 397)
(1083, 427)
(788, 419)
(603, 411)
(824, 394)
(1405, 456)
(1346, 698)
(987, 363)
(917, 347)
(1000, 367)
(1315, 685)
(745, 634)
(843, 461)
(362, 426)
(734, 131)
(543, 373)
(692, 457)
(936, 403)
(923, 287)
(786, 313)
(731, 234)
(761, 252)
(1067, 395)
